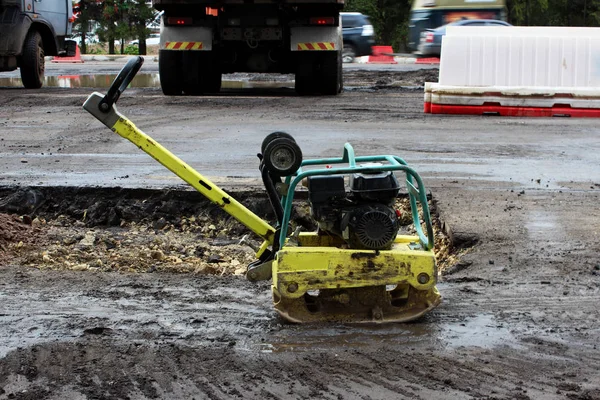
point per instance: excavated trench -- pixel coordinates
(144, 230)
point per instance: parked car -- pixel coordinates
(153, 39)
(359, 36)
(431, 39)
(89, 39)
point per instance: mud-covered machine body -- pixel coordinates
(355, 267)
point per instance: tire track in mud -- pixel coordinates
(237, 352)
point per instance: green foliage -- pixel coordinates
(131, 49)
(97, 49)
(87, 11)
(389, 18)
(118, 20)
(554, 12)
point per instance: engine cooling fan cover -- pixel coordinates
(372, 226)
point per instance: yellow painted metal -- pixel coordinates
(263, 247)
(129, 131)
(297, 270)
(372, 304)
(315, 240)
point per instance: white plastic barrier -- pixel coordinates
(518, 67)
(512, 96)
(521, 56)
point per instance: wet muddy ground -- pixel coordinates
(519, 318)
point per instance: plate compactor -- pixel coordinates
(356, 267)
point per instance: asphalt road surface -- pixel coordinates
(519, 318)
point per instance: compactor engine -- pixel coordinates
(364, 217)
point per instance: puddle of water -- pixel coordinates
(544, 225)
(140, 81)
(482, 331)
(327, 338)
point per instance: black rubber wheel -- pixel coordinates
(303, 85)
(209, 83)
(272, 136)
(169, 71)
(282, 157)
(330, 73)
(340, 74)
(213, 81)
(320, 74)
(305, 77)
(32, 61)
(201, 73)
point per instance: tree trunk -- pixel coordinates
(83, 45)
(111, 45)
(122, 46)
(142, 45)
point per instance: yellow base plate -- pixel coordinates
(321, 280)
(358, 305)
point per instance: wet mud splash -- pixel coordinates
(139, 230)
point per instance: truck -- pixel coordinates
(202, 39)
(30, 30)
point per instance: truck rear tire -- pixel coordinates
(305, 78)
(201, 73)
(32, 61)
(169, 71)
(320, 74)
(331, 73)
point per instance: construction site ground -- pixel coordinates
(117, 282)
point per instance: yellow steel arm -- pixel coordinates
(125, 128)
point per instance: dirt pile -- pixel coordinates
(14, 231)
(151, 231)
(194, 245)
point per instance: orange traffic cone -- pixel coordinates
(382, 55)
(75, 59)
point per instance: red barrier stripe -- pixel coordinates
(431, 60)
(509, 111)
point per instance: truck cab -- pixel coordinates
(30, 30)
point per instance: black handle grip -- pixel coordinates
(120, 83)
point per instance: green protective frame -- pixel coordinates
(393, 163)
